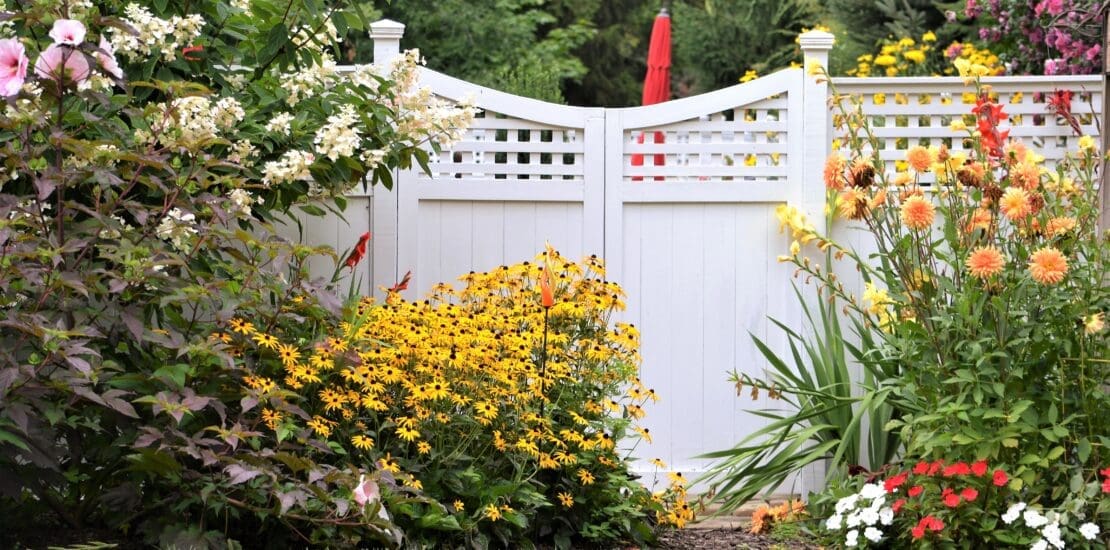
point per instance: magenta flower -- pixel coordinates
(68, 32)
(366, 491)
(62, 63)
(13, 67)
(106, 57)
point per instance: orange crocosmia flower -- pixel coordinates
(1048, 266)
(1059, 226)
(547, 296)
(834, 172)
(1015, 204)
(920, 159)
(918, 212)
(985, 262)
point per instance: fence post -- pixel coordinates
(810, 192)
(384, 204)
(1104, 179)
(817, 134)
(386, 35)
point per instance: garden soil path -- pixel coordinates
(726, 531)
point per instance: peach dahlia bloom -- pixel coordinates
(920, 158)
(985, 262)
(918, 212)
(834, 172)
(1015, 204)
(1048, 266)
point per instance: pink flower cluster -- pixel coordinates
(1053, 36)
(63, 61)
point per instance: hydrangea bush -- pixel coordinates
(144, 150)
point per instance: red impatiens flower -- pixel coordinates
(935, 467)
(969, 494)
(1000, 478)
(915, 490)
(951, 499)
(898, 504)
(979, 468)
(359, 251)
(893, 483)
(921, 468)
(957, 469)
(928, 522)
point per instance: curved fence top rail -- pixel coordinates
(1060, 81)
(711, 102)
(504, 103)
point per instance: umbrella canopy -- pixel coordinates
(657, 81)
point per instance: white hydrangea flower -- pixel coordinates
(872, 534)
(1034, 518)
(306, 82)
(833, 522)
(852, 539)
(292, 166)
(165, 36)
(241, 201)
(191, 122)
(339, 137)
(242, 5)
(228, 112)
(280, 123)
(177, 227)
(1012, 513)
(241, 151)
(886, 516)
(1089, 530)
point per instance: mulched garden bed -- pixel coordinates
(696, 539)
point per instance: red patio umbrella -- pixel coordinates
(657, 81)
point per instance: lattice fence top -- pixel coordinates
(904, 112)
(501, 147)
(747, 143)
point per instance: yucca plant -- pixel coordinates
(828, 418)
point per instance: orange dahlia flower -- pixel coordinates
(919, 158)
(918, 212)
(834, 172)
(1048, 266)
(1015, 204)
(985, 262)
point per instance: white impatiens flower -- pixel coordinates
(853, 520)
(872, 534)
(279, 124)
(1051, 533)
(177, 227)
(872, 491)
(1039, 545)
(1034, 518)
(834, 522)
(339, 137)
(1012, 513)
(852, 539)
(886, 516)
(869, 516)
(847, 503)
(1089, 530)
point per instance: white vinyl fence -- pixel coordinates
(693, 241)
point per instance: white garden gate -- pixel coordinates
(693, 241)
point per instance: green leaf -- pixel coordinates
(1084, 450)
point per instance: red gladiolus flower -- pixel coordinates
(1060, 104)
(969, 494)
(359, 251)
(979, 468)
(990, 115)
(404, 284)
(915, 490)
(898, 504)
(893, 483)
(190, 49)
(952, 500)
(1000, 478)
